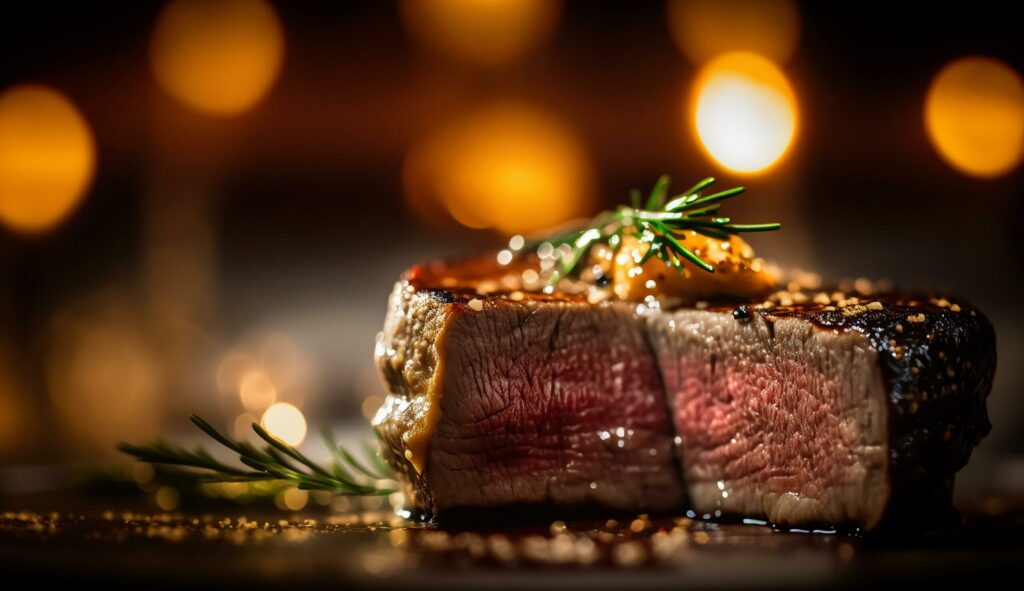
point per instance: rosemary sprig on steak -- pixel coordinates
(657, 222)
(343, 475)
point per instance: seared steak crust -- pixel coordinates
(938, 357)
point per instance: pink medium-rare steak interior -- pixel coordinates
(558, 404)
(545, 403)
(776, 419)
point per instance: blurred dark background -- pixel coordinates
(203, 205)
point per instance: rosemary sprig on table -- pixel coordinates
(343, 475)
(658, 222)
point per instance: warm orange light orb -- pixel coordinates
(47, 157)
(218, 57)
(744, 112)
(704, 29)
(974, 115)
(509, 167)
(481, 32)
(256, 391)
(285, 421)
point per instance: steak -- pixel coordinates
(807, 408)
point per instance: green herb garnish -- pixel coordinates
(344, 474)
(658, 222)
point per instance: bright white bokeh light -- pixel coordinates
(745, 112)
(285, 421)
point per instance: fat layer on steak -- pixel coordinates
(801, 414)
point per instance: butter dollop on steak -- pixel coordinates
(849, 411)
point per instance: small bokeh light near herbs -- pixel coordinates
(256, 391)
(265, 380)
(285, 422)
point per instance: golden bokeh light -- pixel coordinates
(509, 166)
(232, 369)
(167, 498)
(242, 427)
(285, 421)
(974, 116)
(292, 499)
(257, 391)
(219, 57)
(481, 32)
(704, 29)
(284, 364)
(261, 370)
(142, 473)
(744, 112)
(47, 157)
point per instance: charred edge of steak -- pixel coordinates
(938, 366)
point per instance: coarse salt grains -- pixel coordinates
(476, 305)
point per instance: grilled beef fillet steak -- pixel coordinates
(842, 410)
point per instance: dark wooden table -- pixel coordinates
(67, 538)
